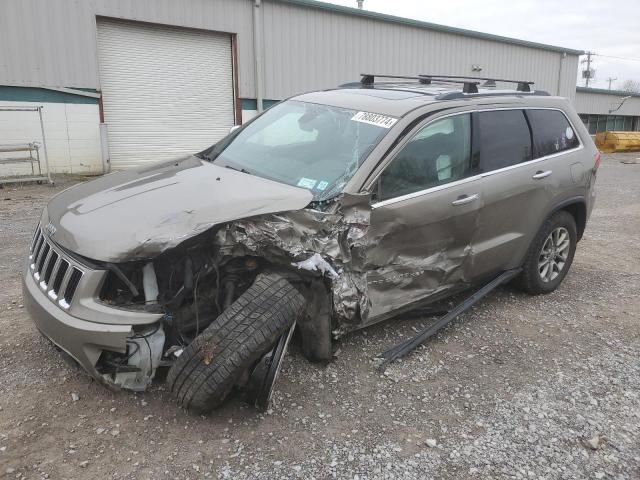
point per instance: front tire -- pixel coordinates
(206, 371)
(550, 255)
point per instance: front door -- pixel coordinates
(425, 213)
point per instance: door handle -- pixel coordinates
(464, 199)
(540, 174)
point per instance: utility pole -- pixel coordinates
(610, 80)
(586, 74)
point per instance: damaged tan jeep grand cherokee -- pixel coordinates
(331, 211)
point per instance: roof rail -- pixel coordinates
(459, 95)
(369, 78)
(469, 86)
(523, 85)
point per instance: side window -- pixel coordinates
(504, 139)
(439, 153)
(552, 132)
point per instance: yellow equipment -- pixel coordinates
(609, 142)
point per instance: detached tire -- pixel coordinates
(206, 371)
(550, 255)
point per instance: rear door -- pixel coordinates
(520, 181)
(424, 216)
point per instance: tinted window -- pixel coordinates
(504, 139)
(552, 132)
(439, 153)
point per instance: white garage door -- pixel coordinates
(166, 91)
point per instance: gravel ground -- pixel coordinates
(519, 387)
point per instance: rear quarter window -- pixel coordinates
(552, 132)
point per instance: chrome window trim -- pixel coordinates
(462, 181)
(420, 193)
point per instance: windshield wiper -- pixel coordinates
(243, 170)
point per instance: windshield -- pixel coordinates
(317, 147)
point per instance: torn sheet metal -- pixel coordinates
(370, 273)
(338, 238)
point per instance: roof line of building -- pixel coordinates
(427, 25)
(617, 93)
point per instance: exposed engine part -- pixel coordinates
(144, 353)
(116, 270)
(175, 351)
(149, 283)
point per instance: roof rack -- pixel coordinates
(523, 85)
(469, 86)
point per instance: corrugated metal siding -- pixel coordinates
(167, 91)
(47, 43)
(53, 43)
(600, 104)
(308, 49)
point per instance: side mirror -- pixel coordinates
(234, 128)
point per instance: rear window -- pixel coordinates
(552, 132)
(504, 139)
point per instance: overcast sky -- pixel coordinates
(605, 27)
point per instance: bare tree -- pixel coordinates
(631, 86)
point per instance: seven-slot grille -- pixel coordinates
(55, 272)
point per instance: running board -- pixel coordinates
(411, 344)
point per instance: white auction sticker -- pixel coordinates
(307, 183)
(374, 119)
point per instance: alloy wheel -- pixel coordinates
(554, 254)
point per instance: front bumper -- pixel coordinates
(61, 294)
(100, 327)
(81, 339)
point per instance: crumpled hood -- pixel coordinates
(140, 213)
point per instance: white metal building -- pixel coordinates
(137, 81)
(606, 110)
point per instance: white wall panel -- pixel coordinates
(73, 139)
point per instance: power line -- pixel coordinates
(617, 58)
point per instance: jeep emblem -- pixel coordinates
(50, 229)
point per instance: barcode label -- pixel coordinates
(374, 119)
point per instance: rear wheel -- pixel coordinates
(206, 371)
(550, 255)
